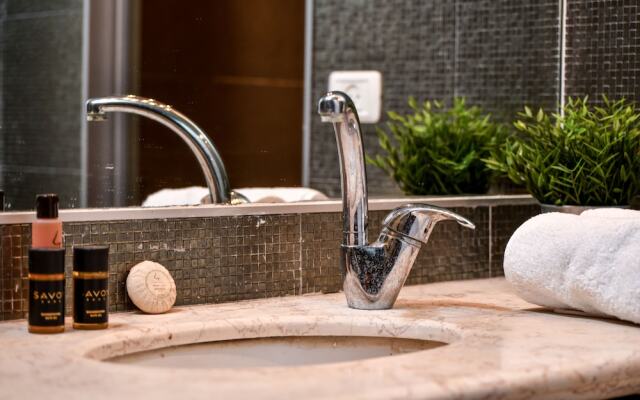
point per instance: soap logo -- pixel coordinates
(48, 297)
(95, 295)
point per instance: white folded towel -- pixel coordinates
(589, 262)
(198, 195)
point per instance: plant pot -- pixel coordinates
(505, 186)
(577, 210)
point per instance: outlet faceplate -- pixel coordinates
(364, 88)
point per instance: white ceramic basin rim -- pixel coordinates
(284, 351)
(291, 341)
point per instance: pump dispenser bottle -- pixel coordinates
(46, 231)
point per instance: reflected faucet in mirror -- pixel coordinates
(206, 153)
(374, 273)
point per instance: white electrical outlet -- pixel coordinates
(364, 88)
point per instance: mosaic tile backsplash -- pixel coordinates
(222, 259)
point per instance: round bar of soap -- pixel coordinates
(151, 287)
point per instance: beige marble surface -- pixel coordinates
(499, 347)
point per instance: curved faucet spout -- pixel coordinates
(208, 157)
(416, 221)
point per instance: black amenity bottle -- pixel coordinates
(46, 290)
(90, 287)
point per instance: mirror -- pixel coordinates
(249, 74)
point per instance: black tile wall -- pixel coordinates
(222, 259)
(602, 53)
(499, 54)
(410, 41)
(508, 54)
(36, 6)
(40, 99)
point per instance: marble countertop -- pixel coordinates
(499, 346)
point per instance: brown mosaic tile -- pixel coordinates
(253, 257)
(211, 259)
(222, 259)
(321, 238)
(14, 270)
(453, 252)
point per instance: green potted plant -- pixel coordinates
(436, 150)
(586, 157)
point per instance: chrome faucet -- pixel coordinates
(374, 273)
(208, 157)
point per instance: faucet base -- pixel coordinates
(358, 299)
(375, 274)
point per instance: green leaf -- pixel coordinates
(528, 112)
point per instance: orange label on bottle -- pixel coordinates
(46, 234)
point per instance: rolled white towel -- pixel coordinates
(589, 262)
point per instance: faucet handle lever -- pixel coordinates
(416, 221)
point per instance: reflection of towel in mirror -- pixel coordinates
(197, 195)
(188, 196)
(589, 262)
(281, 194)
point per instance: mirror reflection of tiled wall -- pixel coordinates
(40, 99)
(499, 54)
(602, 49)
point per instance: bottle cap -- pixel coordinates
(91, 258)
(47, 206)
(46, 261)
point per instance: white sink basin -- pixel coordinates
(275, 352)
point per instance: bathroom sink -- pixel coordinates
(275, 352)
(315, 347)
